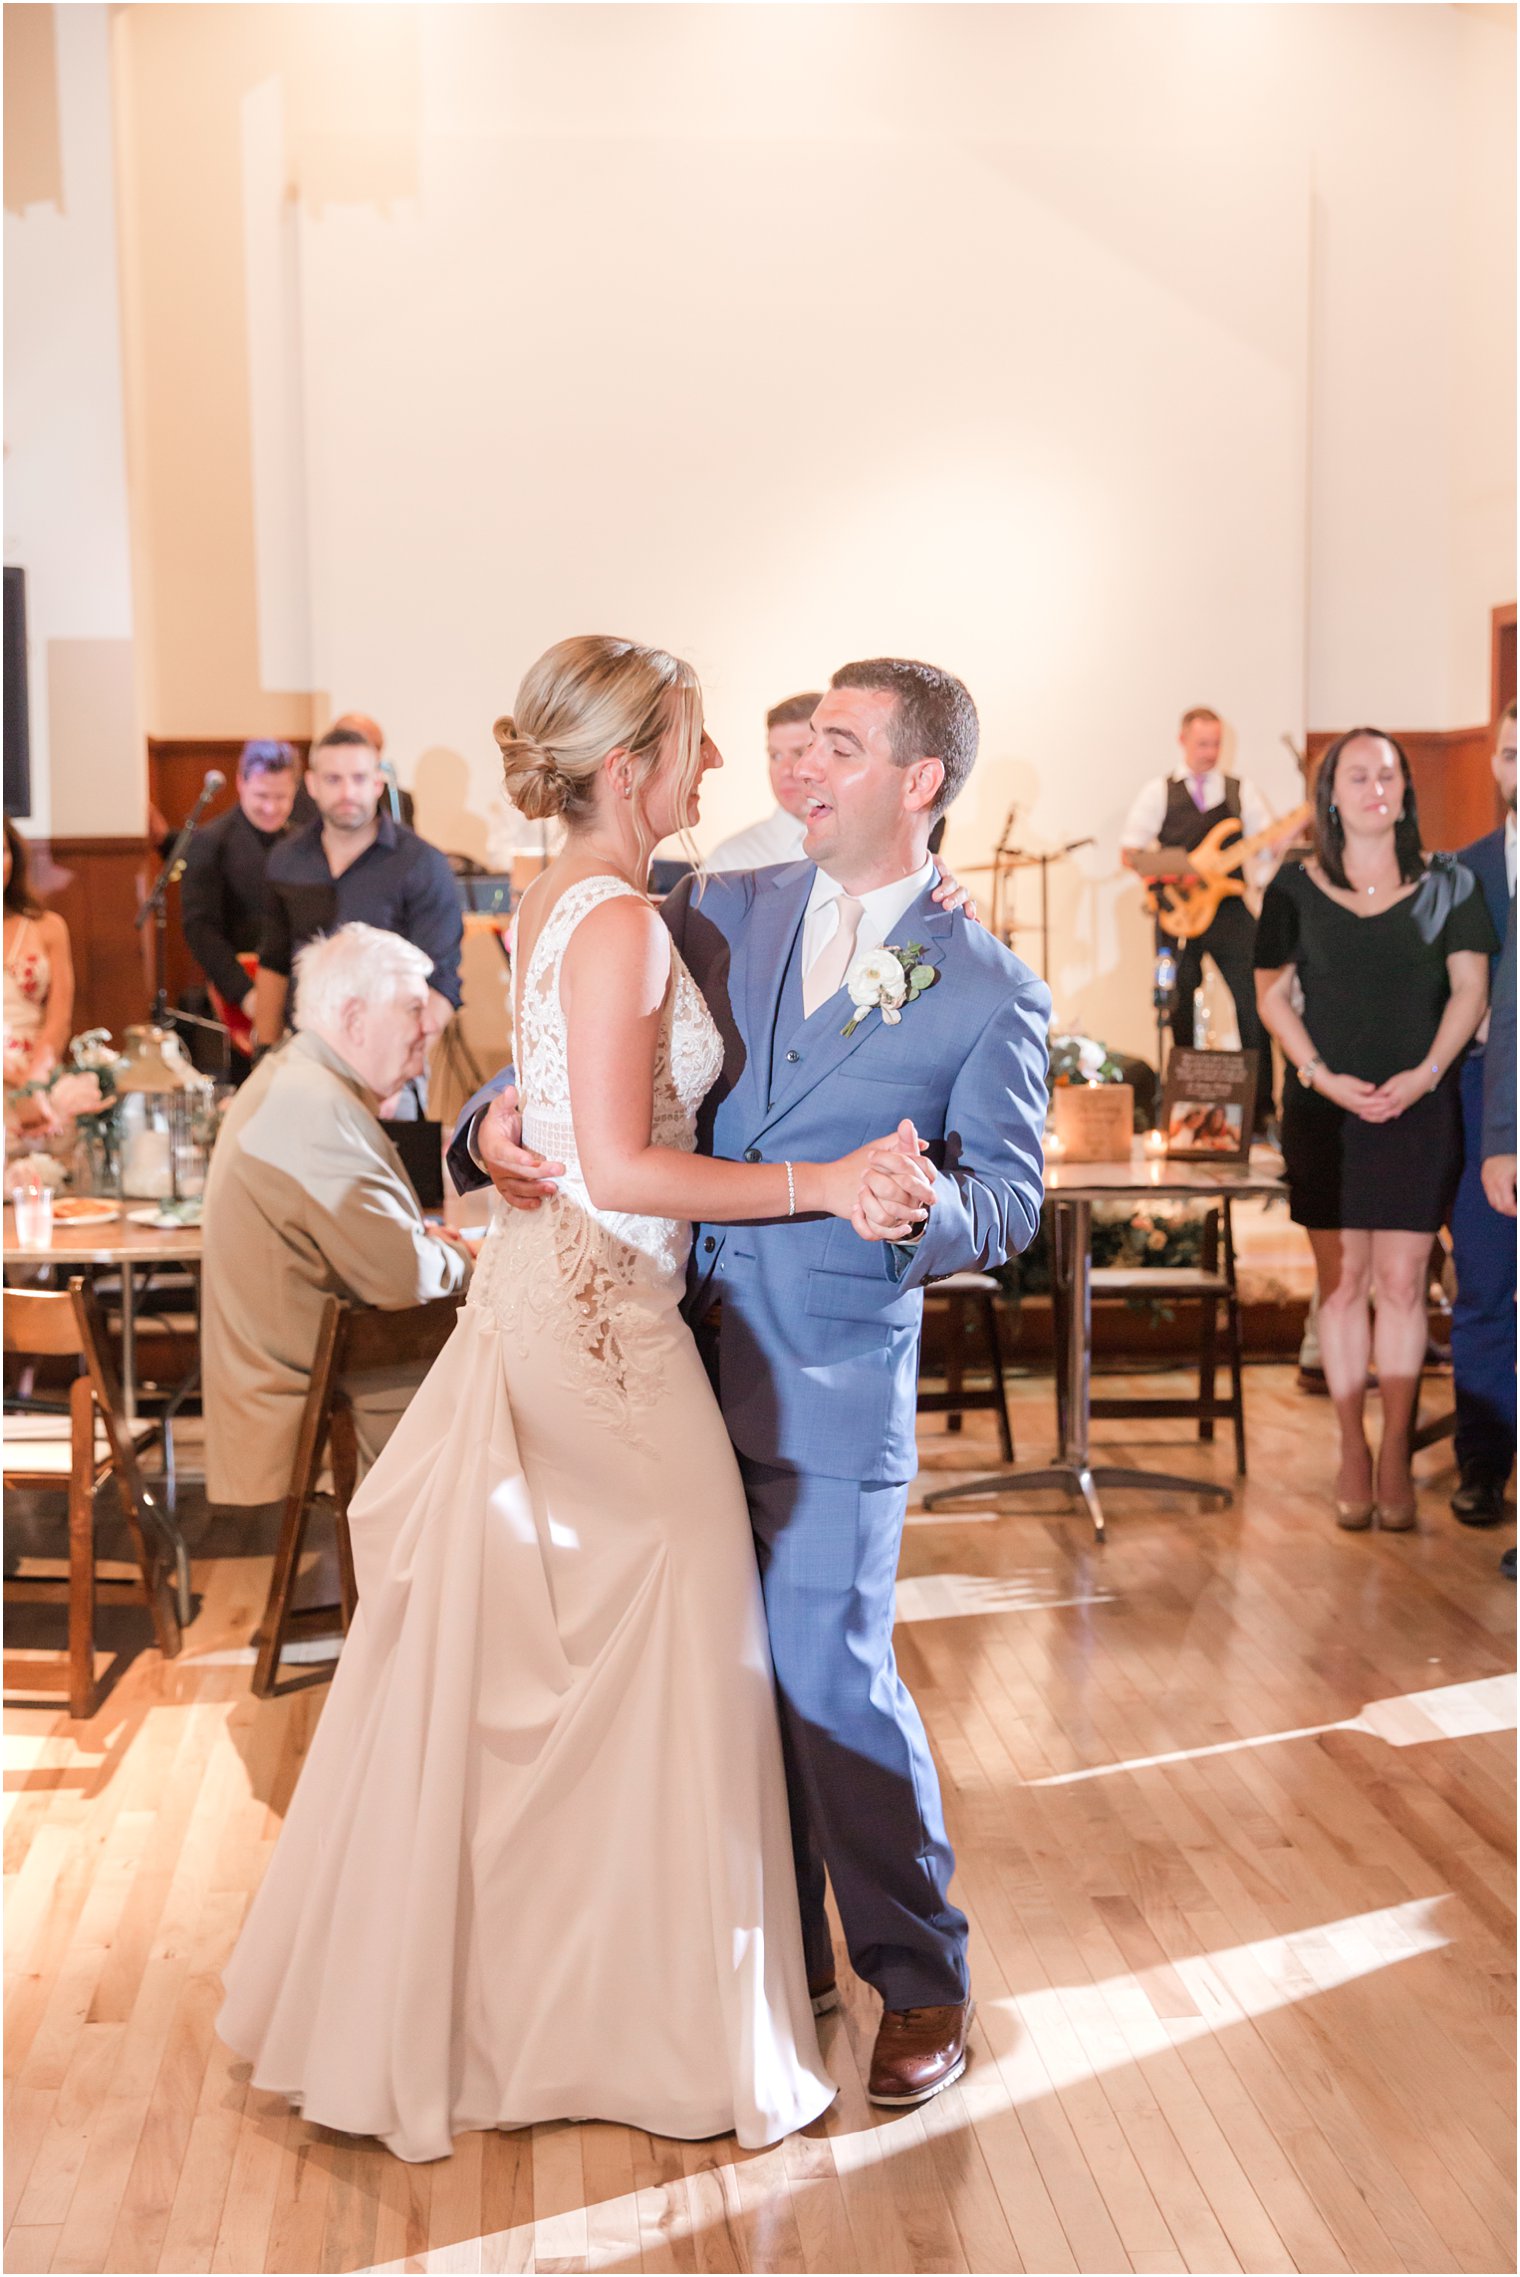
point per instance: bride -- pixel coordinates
(538, 1865)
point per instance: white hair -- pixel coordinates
(357, 964)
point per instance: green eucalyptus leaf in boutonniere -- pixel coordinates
(886, 979)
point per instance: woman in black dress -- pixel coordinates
(1390, 949)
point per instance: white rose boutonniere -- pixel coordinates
(886, 979)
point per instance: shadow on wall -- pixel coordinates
(441, 788)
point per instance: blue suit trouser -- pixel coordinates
(864, 1795)
(1483, 1317)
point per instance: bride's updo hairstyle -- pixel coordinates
(588, 696)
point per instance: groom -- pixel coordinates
(812, 1331)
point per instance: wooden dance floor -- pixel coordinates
(1233, 1800)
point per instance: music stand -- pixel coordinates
(1006, 864)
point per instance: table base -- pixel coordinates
(1081, 1481)
(1074, 1469)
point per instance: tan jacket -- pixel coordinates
(306, 1198)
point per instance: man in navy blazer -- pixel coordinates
(1483, 1316)
(814, 1347)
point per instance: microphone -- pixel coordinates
(211, 782)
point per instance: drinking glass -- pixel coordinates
(33, 1204)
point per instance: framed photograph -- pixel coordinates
(1208, 1105)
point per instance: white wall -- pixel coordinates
(65, 475)
(777, 399)
(496, 321)
(1120, 358)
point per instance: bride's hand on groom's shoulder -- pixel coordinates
(951, 894)
(522, 1178)
(895, 1187)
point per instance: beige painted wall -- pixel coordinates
(312, 511)
(66, 518)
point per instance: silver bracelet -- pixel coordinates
(791, 1192)
(1435, 1073)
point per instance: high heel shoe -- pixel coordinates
(1353, 1517)
(1397, 1517)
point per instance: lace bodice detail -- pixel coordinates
(686, 1063)
(586, 1276)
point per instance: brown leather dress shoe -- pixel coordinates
(918, 2051)
(823, 1992)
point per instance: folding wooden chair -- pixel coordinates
(965, 1296)
(1212, 1286)
(78, 1451)
(352, 1342)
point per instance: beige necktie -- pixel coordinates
(826, 973)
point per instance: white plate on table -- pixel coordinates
(164, 1219)
(84, 1210)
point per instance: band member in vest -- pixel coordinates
(1179, 810)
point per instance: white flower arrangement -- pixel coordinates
(884, 980)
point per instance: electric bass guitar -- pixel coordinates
(1185, 905)
(232, 1016)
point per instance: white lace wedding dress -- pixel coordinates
(538, 1863)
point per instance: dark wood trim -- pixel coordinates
(1501, 659)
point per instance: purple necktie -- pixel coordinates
(1197, 790)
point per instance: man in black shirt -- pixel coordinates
(355, 864)
(222, 890)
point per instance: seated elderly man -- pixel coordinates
(307, 1198)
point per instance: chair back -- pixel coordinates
(368, 1340)
(43, 1324)
(351, 1341)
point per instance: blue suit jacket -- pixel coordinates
(1485, 858)
(1499, 1060)
(819, 1353)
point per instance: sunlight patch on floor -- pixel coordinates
(1451, 1711)
(953, 1596)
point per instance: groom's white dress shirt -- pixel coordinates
(880, 911)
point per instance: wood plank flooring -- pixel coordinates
(1234, 1804)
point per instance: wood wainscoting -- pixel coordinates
(96, 884)
(1453, 780)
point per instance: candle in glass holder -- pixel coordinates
(1155, 1142)
(146, 1167)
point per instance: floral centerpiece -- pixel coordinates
(74, 1099)
(1081, 1059)
(1124, 1234)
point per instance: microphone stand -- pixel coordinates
(156, 903)
(1013, 859)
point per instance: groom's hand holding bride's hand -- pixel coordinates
(521, 1177)
(896, 1189)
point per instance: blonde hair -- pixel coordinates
(588, 696)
